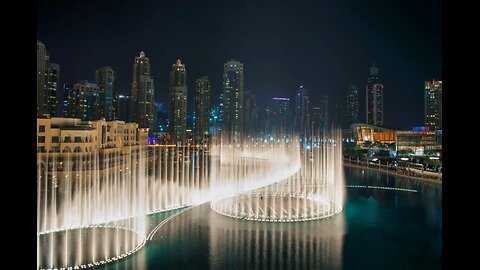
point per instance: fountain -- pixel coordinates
(313, 192)
(91, 207)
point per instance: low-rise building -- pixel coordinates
(66, 135)
(417, 141)
(374, 134)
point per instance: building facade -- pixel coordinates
(433, 104)
(178, 103)
(107, 86)
(232, 114)
(374, 93)
(202, 110)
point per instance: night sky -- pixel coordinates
(323, 45)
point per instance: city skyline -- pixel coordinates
(271, 71)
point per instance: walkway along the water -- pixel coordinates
(418, 175)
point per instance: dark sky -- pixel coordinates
(324, 45)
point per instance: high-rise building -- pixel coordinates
(320, 115)
(162, 117)
(67, 97)
(41, 71)
(143, 94)
(250, 115)
(433, 104)
(352, 106)
(106, 82)
(280, 117)
(339, 118)
(178, 103)
(232, 118)
(124, 107)
(48, 82)
(82, 101)
(89, 100)
(302, 113)
(202, 109)
(52, 88)
(374, 91)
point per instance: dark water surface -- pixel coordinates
(378, 229)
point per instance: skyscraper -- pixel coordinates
(352, 105)
(302, 113)
(232, 118)
(280, 117)
(41, 71)
(202, 109)
(339, 118)
(143, 98)
(178, 103)
(48, 82)
(374, 91)
(250, 118)
(67, 97)
(106, 82)
(124, 108)
(83, 100)
(320, 115)
(433, 104)
(52, 88)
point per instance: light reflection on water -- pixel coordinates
(378, 229)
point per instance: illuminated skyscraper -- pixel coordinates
(433, 104)
(320, 115)
(232, 118)
(124, 107)
(374, 91)
(352, 106)
(280, 117)
(67, 97)
(41, 71)
(143, 98)
(52, 88)
(106, 82)
(302, 113)
(48, 83)
(250, 114)
(83, 100)
(202, 109)
(178, 103)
